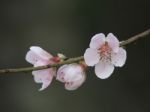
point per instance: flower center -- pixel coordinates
(105, 52)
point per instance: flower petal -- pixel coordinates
(31, 57)
(91, 57)
(73, 72)
(72, 75)
(44, 76)
(113, 42)
(75, 84)
(61, 73)
(104, 69)
(118, 59)
(97, 41)
(41, 53)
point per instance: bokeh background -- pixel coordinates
(66, 26)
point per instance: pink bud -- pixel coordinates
(72, 75)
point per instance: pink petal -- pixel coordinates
(41, 53)
(61, 73)
(73, 72)
(75, 84)
(104, 69)
(113, 42)
(91, 57)
(31, 57)
(97, 41)
(118, 59)
(44, 76)
(41, 63)
(68, 73)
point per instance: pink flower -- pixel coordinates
(104, 53)
(39, 57)
(72, 75)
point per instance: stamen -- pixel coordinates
(105, 52)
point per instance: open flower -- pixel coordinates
(72, 75)
(39, 57)
(104, 53)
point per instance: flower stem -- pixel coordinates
(73, 60)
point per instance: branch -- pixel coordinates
(27, 69)
(135, 38)
(73, 60)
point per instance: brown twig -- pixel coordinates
(73, 60)
(135, 38)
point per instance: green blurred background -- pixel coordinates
(66, 26)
